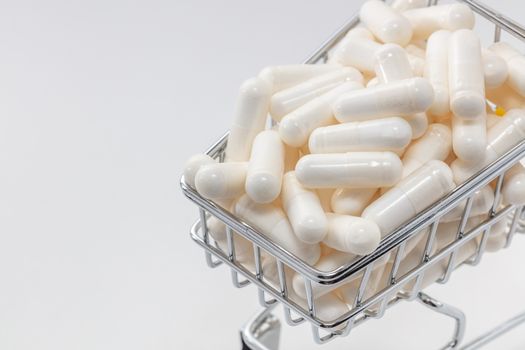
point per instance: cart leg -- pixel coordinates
(446, 310)
(262, 332)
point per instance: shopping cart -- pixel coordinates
(262, 332)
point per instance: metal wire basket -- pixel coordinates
(399, 284)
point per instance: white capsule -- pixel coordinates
(434, 145)
(352, 234)
(352, 201)
(304, 210)
(418, 123)
(221, 180)
(504, 135)
(494, 68)
(359, 51)
(193, 165)
(243, 247)
(294, 97)
(272, 222)
(266, 167)
(249, 118)
(515, 64)
(427, 20)
(356, 51)
(482, 201)
(328, 309)
(436, 71)
(465, 74)
(410, 196)
(513, 189)
(392, 63)
(295, 127)
(283, 77)
(388, 134)
(404, 97)
(417, 63)
(326, 263)
(497, 237)
(403, 5)
(415, 50)
(354, 169)
(385, 23)
(469, 138)
(446, 232)
(349, 291)
(359, 32)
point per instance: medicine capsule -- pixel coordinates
(410, 196)
(436, 144)
(418, 123)
(427, 20)
(482, 201)
(304, 210)
(328, 308)
(402, 97)
(436, 71)
(497, 236)
(469, 138)
(283, 77)
(494, 68)
(295, 127)
(403, 5)
(388, 134)
(193, 165)
(415, 50)
(292, 98)
(515, 64)
(392, 63)
(221, 180)
(352, 201)
(504, 135)
(272, 222)
(243, 247)
(513, 189)
(349, 291)
(385, 23)
(352, 234)
(326, 263)
(466, 77)
(354, 170)
(359, 51)
(249, 118)
(266, 167)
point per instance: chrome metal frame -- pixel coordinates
(374, 306)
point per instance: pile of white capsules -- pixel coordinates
(407, 107)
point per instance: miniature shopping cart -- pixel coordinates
(262, 332)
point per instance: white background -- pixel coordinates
(101, 102)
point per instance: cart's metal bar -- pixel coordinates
(513, 226)
(495, 332)
(485, 236)
(376, 298)
(495, 17)
(461, 229)
(450, 311)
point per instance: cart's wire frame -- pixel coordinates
(422, 226)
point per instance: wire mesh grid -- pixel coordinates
(379, 280)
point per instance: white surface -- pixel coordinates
(101, 103)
